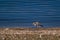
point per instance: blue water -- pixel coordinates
(22, 13)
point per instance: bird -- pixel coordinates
(37, 24)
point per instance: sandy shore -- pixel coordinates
(29, 33)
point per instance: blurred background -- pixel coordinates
(22, 13)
